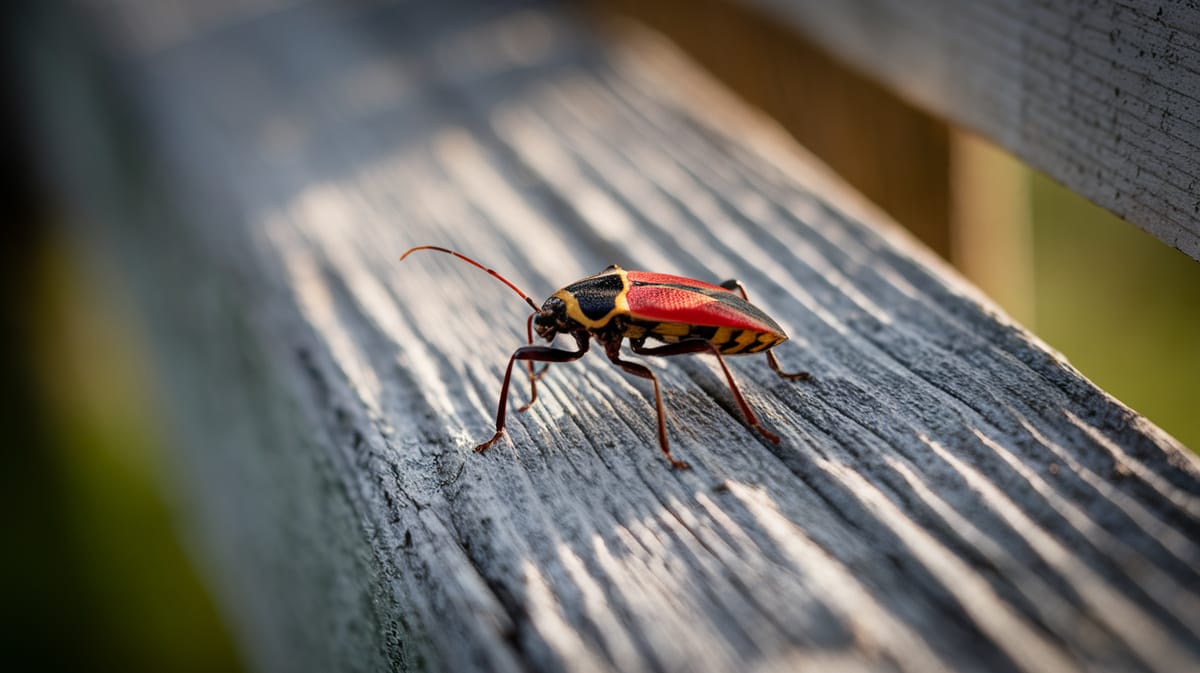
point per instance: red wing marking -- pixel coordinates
(705, 305)
(668, 279)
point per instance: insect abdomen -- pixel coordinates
(728, 340)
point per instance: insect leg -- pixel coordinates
(529, 354)
(533, 376)
(613, 349)
(701, 346)
(736, 285)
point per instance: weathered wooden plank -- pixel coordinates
(1102, 96)
(948, 494)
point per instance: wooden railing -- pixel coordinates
(1102, 96)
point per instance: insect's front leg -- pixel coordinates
(533, 375)
(736, 285)
(530, 354)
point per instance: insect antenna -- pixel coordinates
(472, 262)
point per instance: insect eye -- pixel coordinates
(550, 309)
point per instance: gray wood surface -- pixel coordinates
(1102, 96)
(949, 495)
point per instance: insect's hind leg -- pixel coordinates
(530, 354)
(701, 346)
(613, 350)
(736, 285)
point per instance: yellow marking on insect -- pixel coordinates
(674, 329)
(743, 340)
(759, 346)
(635, 332)
(620, 304)
(766, 340)
(721, 336)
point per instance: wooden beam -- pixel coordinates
(1102, 96)
(948, 494)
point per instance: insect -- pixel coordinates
(685, 315)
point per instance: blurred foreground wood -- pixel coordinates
(949, 495)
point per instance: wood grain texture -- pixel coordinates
(1102, 96)
(949, 495)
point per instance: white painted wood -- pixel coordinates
(1102, 96)
(948, 494)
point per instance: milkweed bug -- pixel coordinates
(686, 315)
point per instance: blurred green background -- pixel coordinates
(1121, 305)
(97, 577)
